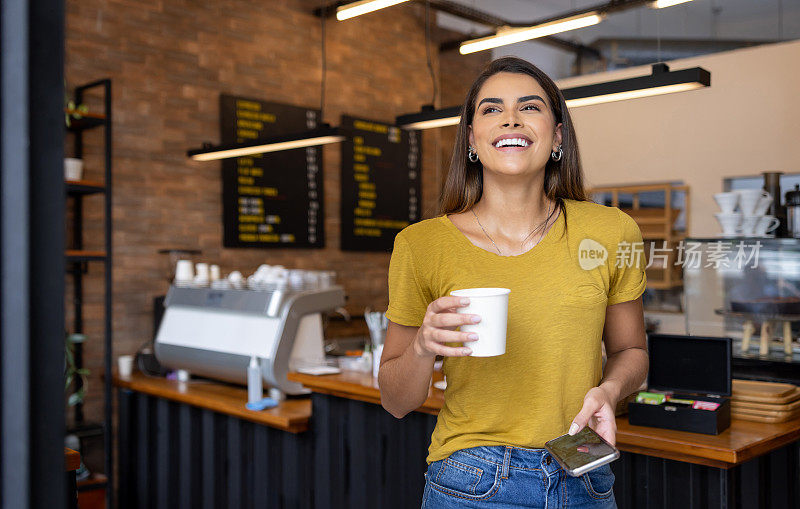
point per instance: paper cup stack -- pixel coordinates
(744, 213)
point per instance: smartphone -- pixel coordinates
(581, 452)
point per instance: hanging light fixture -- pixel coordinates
(661, 81)
(507, 35)
(363, 7)
(321, 136)
(661, 4)
(428, 118)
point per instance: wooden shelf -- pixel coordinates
(75, 255)
(72, 460)
(87, 430)
(81, 124)
(655, 224)
(88, 114)
(95, 482)
(87, 121)
(75, 187)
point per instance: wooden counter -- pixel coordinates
(291, 415)
(743, 441)
(196, 442)
(361, 386)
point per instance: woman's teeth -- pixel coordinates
(512, 142)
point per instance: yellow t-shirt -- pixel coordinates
(556, 313)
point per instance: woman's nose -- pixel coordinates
(512, 119)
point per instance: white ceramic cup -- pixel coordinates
(215, 273)
(765, 225)
(727, 201)
(749, 198)
(491, 304)
(184, 271)
(201, 270)
(729, 222)
(73, 168)
(763, 205)
(748, 225)
(125, 365)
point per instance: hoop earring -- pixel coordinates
(556, 156)
(472, 155)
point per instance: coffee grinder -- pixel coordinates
(772, 185)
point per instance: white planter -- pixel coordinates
(73, 168)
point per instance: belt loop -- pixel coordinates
(506, 463)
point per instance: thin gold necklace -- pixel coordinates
(523, 240)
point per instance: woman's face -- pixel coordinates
(514, 129)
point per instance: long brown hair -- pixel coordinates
(463, 186)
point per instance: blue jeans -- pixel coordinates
(511, 477)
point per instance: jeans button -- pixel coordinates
(547, 460)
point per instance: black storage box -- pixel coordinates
(692, 367)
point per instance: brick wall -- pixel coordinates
(168, 62)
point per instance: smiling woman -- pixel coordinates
(515, 216)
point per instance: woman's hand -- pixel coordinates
(598, 413)
(438, 326)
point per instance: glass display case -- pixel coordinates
(747, 289)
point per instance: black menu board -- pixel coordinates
(272, 199)
(381, 190)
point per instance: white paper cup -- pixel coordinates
(491, 304)
(201, 270)
(125, 365)
(184, 272)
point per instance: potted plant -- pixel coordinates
(73, 373)
(72, 110)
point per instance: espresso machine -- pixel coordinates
(215, 332)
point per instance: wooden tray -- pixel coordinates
(751, 405)
(763, 416)
(764, 392)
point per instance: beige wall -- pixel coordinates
(746, 122)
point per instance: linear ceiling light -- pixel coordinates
(506, 36)
(429, 118)
(662, 81)
(321, 136)
(363, 7)
(660, 4)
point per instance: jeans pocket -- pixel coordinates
(464, 476)
(599, 483)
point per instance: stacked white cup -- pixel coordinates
(184, 273)
(201, 278)
(751, 218)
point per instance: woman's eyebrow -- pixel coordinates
(523, 99)
(530, 98)
(491, 100)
